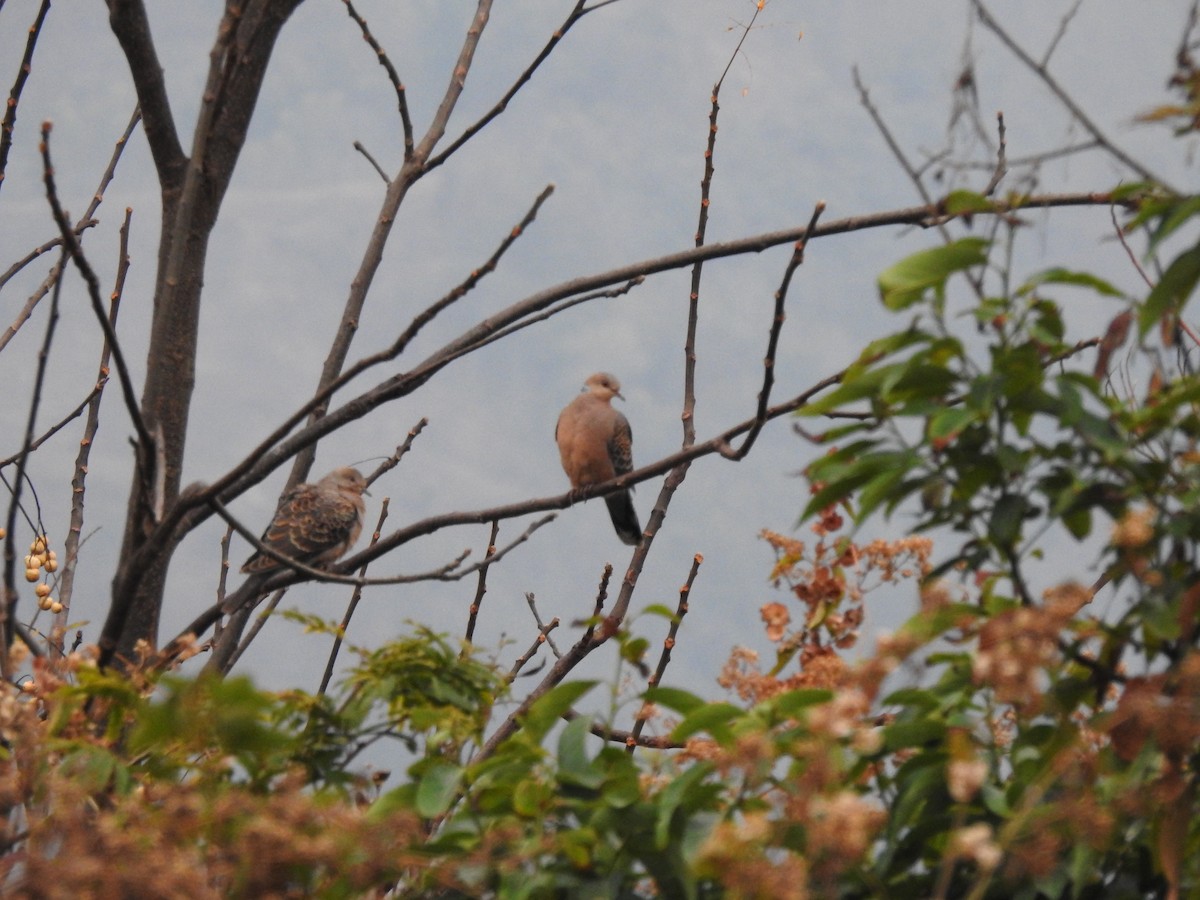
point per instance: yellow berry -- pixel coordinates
(32, 574)
(50, 554)
(56, 607)
(45, 602)
(38, 545)
(51, 565)
(3, 533)
(42, 590)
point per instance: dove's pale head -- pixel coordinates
(346, 478)
(604, 385)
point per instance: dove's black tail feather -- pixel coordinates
(624, 517)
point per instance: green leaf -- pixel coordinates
(1004, 526)
(674, 698)
(906, 282)
(1175, 215)
(915, 733)
(859, 472)
(396, 800)
(574, 765)
(791, 703)
(712, 717)
(437, 788)
(947, 423)
(675, 795)
(1066, 276)
(1078, 522)
(1172, 291)
(634, 649)
(958, 202)
(548, 709)
(885, 487)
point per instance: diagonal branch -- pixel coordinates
(1064, 98)
(72, 248)
(393, 76)
(192, 507)
(577, 13)
(664, 658)
(8, 124)
(764, 395)
(79, 479)
(129, 23)
(8, 612)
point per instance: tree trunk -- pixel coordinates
(192, 190)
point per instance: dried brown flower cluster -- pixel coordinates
(1016, 646)
(830, 578)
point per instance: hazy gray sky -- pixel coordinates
(617, 121)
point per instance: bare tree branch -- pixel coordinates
(393, 76)
(79, 479)
(75, 251)
(764, 395)
(129, 23)
(85, 221)
(577, 13)
(481, 585)
(8, 123)
(664, 658)
(350, 607)
(8, 613)
(192, 507)
(1064, 98)
(542, 638)
(538, 619)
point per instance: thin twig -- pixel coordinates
(1060, 32)
(58, 426)
(86, 221)
(481, 586)
(298, 571)
(394, 460)
(73, 248)
(529, 599)
(371, 159)
(350, 607)
(542, 637)
(1001, 158)
(1063, 97)
(26, 260)
(577, 13)
(14, 95)
(9, 612)
(468, 284)
(1033, 160)
(259, 622)
(619, 736)
(254, 588)
(764, 395)
(1120, 232)
(91, 425)
(864, 97)
(619, 291)
(393, 76)
(561, 668)
(664, 659)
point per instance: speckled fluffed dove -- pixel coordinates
(596, 444)
(314, 525)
